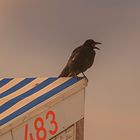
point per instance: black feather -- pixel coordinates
(80, 60)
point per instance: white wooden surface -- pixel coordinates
(67, 112)
(68, 134)
(71, 90)
(6, 136)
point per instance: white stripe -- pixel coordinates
(10, 84)
(29, 99)
(22, 90)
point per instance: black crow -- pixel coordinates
(81, 59)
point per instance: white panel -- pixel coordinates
(66, 113)
(6, 136)
(66, 135)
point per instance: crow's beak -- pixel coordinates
(97, 48)
(98, 43)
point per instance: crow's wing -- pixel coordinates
(81, 59)
(68, 70)
(74, 56)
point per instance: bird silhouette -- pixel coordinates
(81, 59)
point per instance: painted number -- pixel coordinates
(26, 133)
(40, 130)
(53, 122)
(39, 121)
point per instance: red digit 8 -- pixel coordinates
(40, 128)
(53, 122)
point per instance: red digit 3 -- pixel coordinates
(52, 122)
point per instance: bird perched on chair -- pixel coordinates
(81, 59)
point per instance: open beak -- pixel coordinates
(97, 48)
(98, 43)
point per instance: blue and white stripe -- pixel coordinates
(19, 95)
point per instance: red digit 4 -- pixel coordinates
(26, 133)
(31, 137)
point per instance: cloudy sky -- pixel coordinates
(38, 36)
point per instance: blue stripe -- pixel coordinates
(16, 87)
(5, 81)
(13, 101)
(38, 100)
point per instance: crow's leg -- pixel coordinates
(75, 75)
(85, 76)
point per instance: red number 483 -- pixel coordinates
(40, 129)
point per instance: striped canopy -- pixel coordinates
(18, 95)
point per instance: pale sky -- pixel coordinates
(38, 36)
